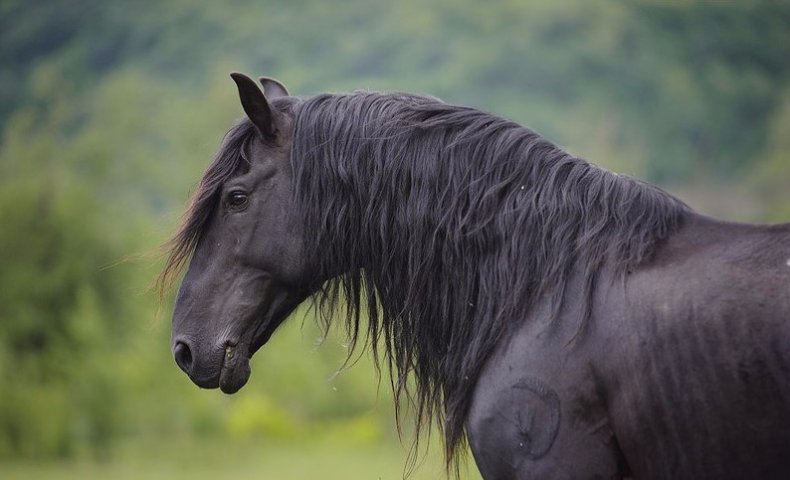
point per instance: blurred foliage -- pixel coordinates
(110, 110)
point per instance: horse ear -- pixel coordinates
(272, 88)
(255, 105)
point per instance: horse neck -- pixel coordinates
(412, 196)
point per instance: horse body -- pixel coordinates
(570, 322)
(684, 372)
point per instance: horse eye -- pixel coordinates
(237, 199)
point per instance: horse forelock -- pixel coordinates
(226, 164)
(448, 224)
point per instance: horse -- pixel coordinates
(562, 320)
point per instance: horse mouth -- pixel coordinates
(235, 370)
(235, 364)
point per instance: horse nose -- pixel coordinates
(183, 356)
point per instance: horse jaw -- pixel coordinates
(235, 370)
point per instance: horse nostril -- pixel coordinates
(183, 356)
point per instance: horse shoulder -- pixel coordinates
(539, 411)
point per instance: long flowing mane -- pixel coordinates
(446, 224)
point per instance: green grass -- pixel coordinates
(210, 459)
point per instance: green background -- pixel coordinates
(109, 111)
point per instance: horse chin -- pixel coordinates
(235, 369)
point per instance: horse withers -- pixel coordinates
(567, 321)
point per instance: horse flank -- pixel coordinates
(444, 225)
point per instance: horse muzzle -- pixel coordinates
(226, 367)
(219, 356)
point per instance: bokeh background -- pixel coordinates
(110, 110)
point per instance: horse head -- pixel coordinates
(246, 269)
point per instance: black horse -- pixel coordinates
(568, 321)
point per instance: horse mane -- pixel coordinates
(445, 225)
